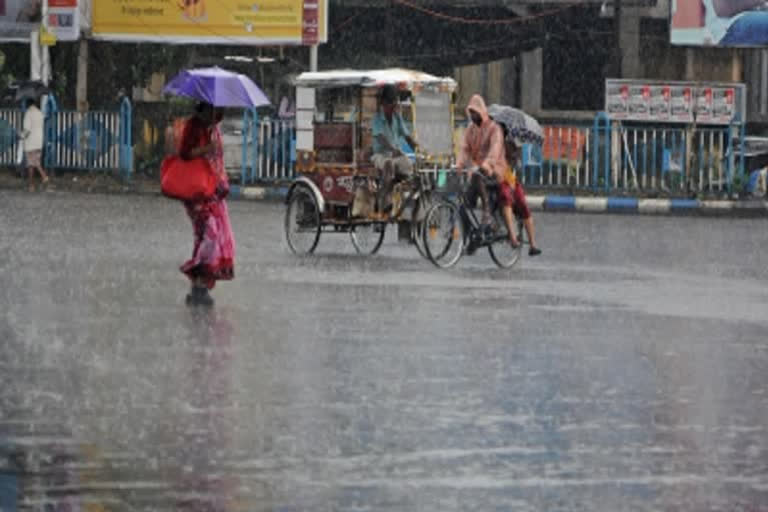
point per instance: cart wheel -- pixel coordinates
(444, 234)
(503, 254)
(367, 238)
(302, 222)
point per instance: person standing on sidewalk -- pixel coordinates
(213, 255)
(32, 135)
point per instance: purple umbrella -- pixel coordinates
(218, 87)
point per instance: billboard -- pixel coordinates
(675, 102)
(253, 22)
(719, 23)
(18, 18)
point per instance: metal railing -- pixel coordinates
(269, 149)
(604, 157)
(563, 160)
(92, 141)
(622, 158)
(10, 144)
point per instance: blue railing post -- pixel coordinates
(244, 156)
(285, 146)
(654, 162)
(595, 150)
(731, 172)
(51, 136)
(87, 139)
(126, 138)
(255, 133)
(684, 180)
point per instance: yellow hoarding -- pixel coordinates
(254, 22)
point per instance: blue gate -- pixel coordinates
(97, 140)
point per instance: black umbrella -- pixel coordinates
(521, 127)
(30, 90)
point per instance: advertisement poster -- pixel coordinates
(681, 104)
(310, 31)
(675, 102)
(18, 18)
(660, 102)
(723, 105)
(617, 100)
(704, 105)
(699, 23)
(64, 19)
(639, 102)
(289, 22)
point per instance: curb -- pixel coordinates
(258, 193)
(631, 205)
(555, 203)
(549, 203)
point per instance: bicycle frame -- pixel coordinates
(474, 234)
(472, 227)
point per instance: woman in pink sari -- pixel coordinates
(213, 255)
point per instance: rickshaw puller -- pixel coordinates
(389, 132)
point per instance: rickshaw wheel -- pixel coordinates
(503, 254)
(302, 222)
(367, 238)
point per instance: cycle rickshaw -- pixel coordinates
(337, 184)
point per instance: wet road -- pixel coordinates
(626, 369)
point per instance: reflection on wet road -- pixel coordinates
(626, 369)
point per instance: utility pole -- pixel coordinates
(45, 56)
(313, 57)
(81, 88)
(39, 57)
(390, 34)
(617, 27)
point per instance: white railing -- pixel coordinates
(268, 150)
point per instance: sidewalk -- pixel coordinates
(104, 183)
(83, 182)
(560, 203)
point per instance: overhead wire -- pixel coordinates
(483, 21)
(347, 21)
